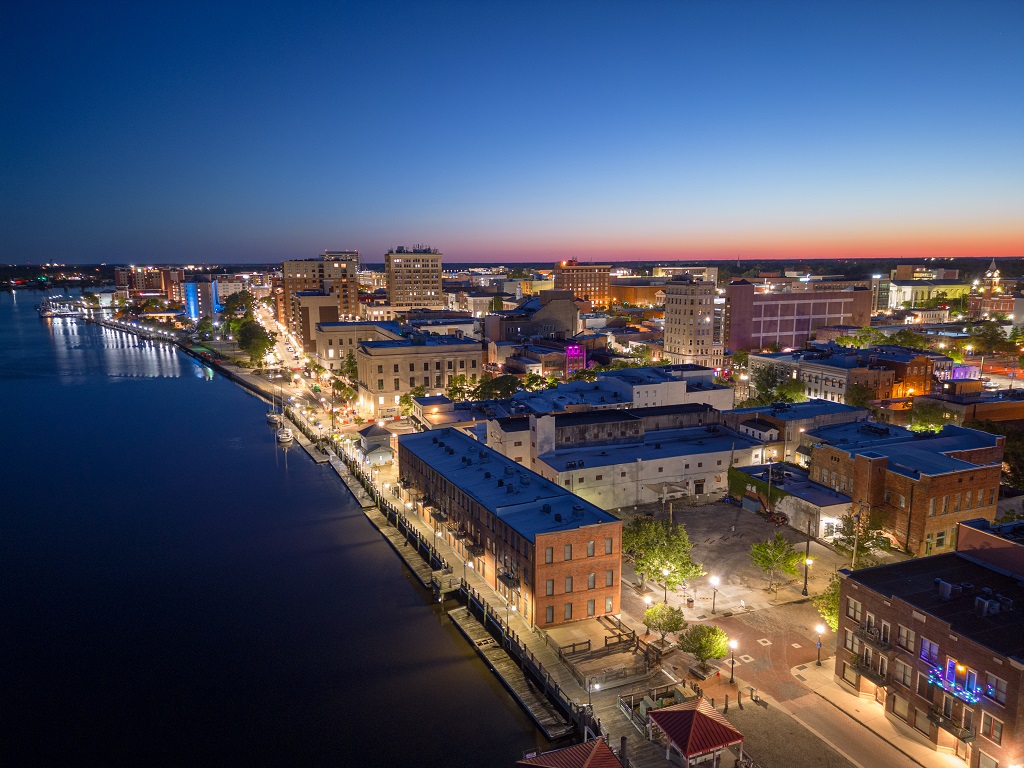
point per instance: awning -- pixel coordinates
(695, 728)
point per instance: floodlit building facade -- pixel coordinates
(414, 277)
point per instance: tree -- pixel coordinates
(859, 395)
(703, 642)
(241, 303)
(587, 374)
(928, 416)
(405, 401)
(350, 368)
(865, 529)
(764, 380)
(907, 338)
(775, 554)
(533, 381)
(458, 389)
(740, 358)
(254, 340)
(791, 391)
(496, 387)
(655, 546)
(663, 618)
(827, 602)
(204, 328)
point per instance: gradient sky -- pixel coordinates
(183, 132)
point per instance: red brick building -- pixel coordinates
(555, 557)
(938, 645)
(922, 484)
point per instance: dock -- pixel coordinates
(411, 557)
(545, 714)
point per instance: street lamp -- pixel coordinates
(732, 673)
(664, 573)
(591, 686)
(715, 581)
(466, 564)
(819, 629)
(808, 562)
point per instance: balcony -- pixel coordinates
(872, 636)
(937, 717)
(866, 671)
(509, 579)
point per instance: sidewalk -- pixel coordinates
(870, 715)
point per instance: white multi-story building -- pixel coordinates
(690, 322)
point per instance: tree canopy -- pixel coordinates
(655, 546)
(928, 416)
(663, 618)
(827, 602)
(775, 554)
(254, 340)
(703, 642)
(866, 529)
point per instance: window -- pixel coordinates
(398, 384)
(590, 549)
(923, 686)
(905, 638)
(462, 364)
(396, 368)
(549, 614)
(549, 554)
(991, 728)
(608, 546)
(986, 762)
(609, 581)
(380, 369)
(380, 383)
(568, 584)
(567, 554)
(568, 611)
(854, 609)
(995, 688)
(929, 650)
(900, 707)
(851, 643)
(902, 673)
(550, 587)
(609, 605)
(940, 540)
(903, 501)
(590, 608)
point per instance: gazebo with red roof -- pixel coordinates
(694, 728)
(589, 754)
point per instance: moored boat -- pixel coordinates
(284, 435)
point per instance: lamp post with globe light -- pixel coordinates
(664, 573)
(820, 629)
(732, 673)
(715, 581)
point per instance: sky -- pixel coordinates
(528, 130)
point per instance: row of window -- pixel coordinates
(549, 612)
(609, 581)
(549, 552)
(426, 366)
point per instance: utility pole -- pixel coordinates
(807, 556)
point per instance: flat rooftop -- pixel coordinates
(808, 409)
(423, 341)
(517, 496)
(915, 582)
(661, 444)
(797, 482)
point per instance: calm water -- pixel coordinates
(175, 589)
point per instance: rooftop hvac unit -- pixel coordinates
(558, 518)
(945, 590)
(1005, 603)
(985, 607)
(511, 488)
(545, 508)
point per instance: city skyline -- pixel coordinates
(509, 133)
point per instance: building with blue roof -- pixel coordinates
(554, 556)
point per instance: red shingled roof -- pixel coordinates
(695, 728)
(590, 754)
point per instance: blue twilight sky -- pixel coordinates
(524, 130)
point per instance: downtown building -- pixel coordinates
(690, 329)
(391, 368)
(590, 282)
(758, 318)
(937, 645)
(553, 556)
(321, 290)
(413, 277)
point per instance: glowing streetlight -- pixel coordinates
(664, 573)
(715, 581)
(820, 629)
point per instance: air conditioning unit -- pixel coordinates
(945, 590)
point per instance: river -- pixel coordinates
(176, 589)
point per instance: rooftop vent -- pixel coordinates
(511, 488)
(545, 508)
(434, 441)
(558, 518)
(500, 482)
(487, 475)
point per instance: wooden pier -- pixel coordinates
(545, 714)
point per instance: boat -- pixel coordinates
(284, 435)
(274, 417)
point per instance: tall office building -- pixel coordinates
(690, 322)
(586, 281)
(333, 274)
(414, 277)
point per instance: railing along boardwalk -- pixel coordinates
(549, 718)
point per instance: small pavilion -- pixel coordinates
(590, 754)
(694, 729)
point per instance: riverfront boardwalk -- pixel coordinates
(547, 716)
